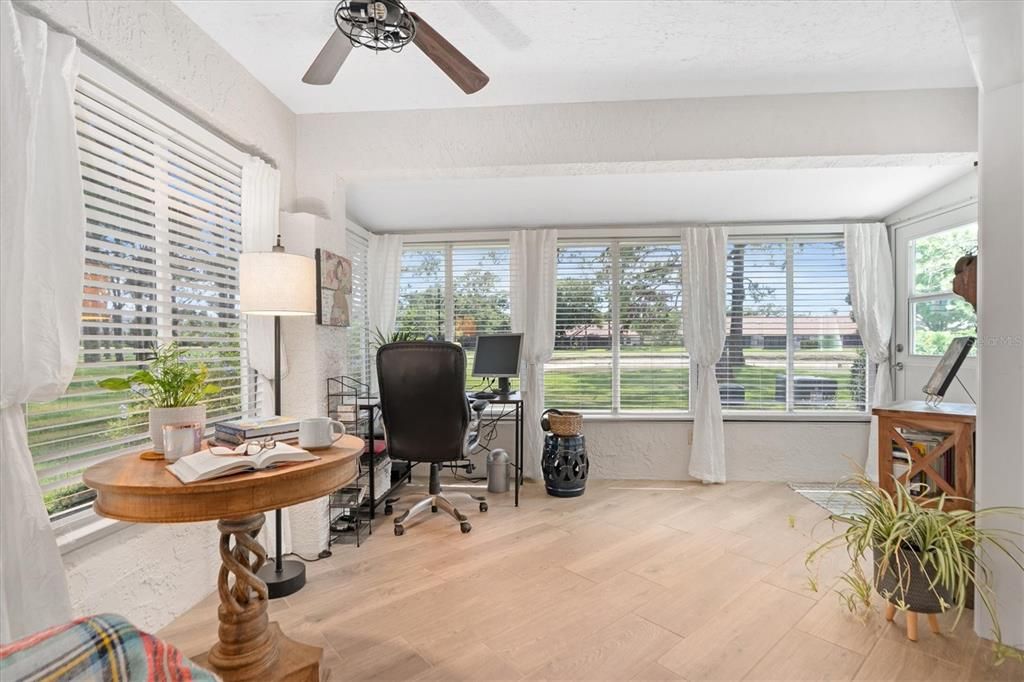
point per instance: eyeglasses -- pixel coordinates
(249, 448)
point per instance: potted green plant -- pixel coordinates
(925, 558)
(382, 339)
(172, 387)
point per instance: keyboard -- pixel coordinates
(483, 395)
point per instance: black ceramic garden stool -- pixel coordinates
(565, 465)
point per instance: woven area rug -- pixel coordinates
(832, 497)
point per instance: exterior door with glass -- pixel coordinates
(928, 314)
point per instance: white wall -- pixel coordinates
(994, 35)
(153, 43)
(961, 191)
(150, 574)
(1000, 458)
(754, 451)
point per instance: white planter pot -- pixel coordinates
(158, 416)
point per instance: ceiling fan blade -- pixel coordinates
(456, 65)
(326, 65)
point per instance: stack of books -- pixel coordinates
(241, 430)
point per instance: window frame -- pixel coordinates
(450, 261)
(663, 232)
(614, 246)
(924, 231)
(824, 232)
(80, 525)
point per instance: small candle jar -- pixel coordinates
(181, 440)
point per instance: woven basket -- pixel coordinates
(566, 424)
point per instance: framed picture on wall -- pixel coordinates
(334, 279)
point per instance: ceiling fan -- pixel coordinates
(387, 25)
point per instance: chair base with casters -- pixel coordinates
(434, 500)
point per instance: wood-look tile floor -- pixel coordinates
(634, 580)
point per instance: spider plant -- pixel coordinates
(948, 546)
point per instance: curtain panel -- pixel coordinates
(704, 331)
(533, 265)
(42, 257)
(261, 196)
(384, 258)
(873, 299)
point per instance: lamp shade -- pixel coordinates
(277, 283)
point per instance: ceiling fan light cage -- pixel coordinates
(377, 24)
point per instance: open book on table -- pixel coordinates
(204, 465)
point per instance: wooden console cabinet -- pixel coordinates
(955, 422)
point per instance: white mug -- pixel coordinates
(318, 432)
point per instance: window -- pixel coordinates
(617, 341)
(455, 292)
(579, 374)
(937, 315)
(358, 342)
(163, 237)
(792, 344)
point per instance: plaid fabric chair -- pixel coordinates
(105, 647)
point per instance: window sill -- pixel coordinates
(84, 528)
(856, 418)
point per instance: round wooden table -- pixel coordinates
(249, 647)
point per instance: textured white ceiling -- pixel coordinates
(543, 51)
(591, 200)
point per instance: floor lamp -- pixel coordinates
(278, 284)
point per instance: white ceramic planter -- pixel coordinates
(158, 416)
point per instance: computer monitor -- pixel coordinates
(497, 357)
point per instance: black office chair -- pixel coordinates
(426, 416)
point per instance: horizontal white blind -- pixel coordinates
(828, 356)
(792, 344)
(480, 282)
(579, 374)
(480, 293)
(162, 243)
(753, 368)
(421, 292)
(358, 341)
(654, 369)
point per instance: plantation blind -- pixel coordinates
(791, 343)
(752, 372)
(421, 292)
(828, 356)
(480, 293)
(162, 200)
(654, 370)
(579, 374)
(358, 350)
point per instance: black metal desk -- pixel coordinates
(515, 400)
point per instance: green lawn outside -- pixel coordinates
(645, 390)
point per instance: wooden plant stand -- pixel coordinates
(933, 621)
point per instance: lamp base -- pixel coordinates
(289, 580)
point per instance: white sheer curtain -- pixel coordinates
(261, 197)
(873, 298)
(704, 331)
(384, 257)
(42, 256)
(532, 260)
(261, 190)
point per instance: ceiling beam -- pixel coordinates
(919, 127)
